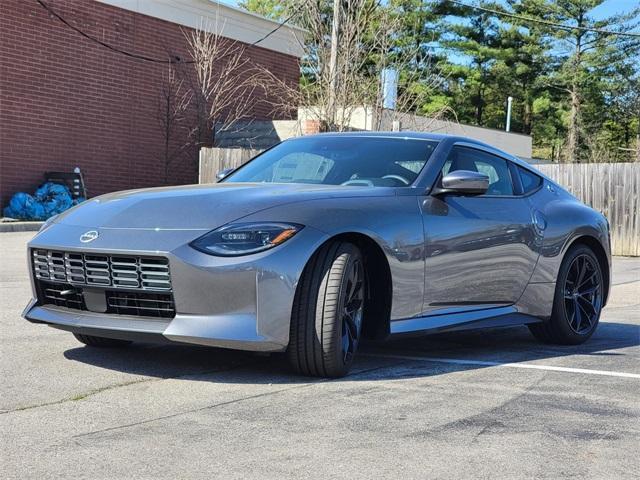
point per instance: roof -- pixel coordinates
(225, 20)
(438, 137)
(408, 135)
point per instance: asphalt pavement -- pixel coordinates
(481, 404)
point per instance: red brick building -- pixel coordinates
(67, 101)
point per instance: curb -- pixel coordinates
(20, 226)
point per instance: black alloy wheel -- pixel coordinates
(353, 306)
(578, 300)
(328, 311)
(583, 294)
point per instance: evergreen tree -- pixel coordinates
(575, 84)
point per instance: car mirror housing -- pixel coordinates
(223, 173)
(463, 182)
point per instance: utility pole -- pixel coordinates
(509, 102)
(638, 139)
(333, 62)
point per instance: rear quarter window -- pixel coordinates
(530, 181)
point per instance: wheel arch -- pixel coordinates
(379, 282)
(601, 254)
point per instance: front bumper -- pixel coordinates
(234, 302)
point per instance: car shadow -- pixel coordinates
(376, 361)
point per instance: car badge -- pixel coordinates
(89, 236)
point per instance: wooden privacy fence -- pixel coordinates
(212, 160)
(611, 188)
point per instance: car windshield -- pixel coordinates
(340, 160)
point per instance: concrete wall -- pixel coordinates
(258, 134)
(513, 143)
(364, 118)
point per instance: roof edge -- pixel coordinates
(223, 19)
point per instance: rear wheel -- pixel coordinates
(578, 300)
(102, 342)
(326, 321)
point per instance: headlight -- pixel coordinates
(245, 238)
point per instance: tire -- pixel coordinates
(580, 266)
(326, 321)
(100, 342)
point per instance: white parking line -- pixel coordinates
(530, 366)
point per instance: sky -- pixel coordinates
(606, 9)
(609, 7)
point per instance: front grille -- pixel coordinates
(61, 295)
(118, 271)
(118, 302)
(141, 304)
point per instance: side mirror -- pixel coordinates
(464, 182)
(223, 173)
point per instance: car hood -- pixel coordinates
(198, 206)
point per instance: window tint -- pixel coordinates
(496, 168)
(530, 181)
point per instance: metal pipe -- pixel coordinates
(509, 101)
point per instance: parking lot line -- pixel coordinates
(530, 366)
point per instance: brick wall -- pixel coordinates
(66, 101)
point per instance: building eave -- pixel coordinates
(225, 20)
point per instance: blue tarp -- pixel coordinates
(48, 200)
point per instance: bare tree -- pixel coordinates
(330, 91)
(223, 83)
(173, 103)
(333, 90)
(416, 81)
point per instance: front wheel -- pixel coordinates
(577, 302)
(326, 321)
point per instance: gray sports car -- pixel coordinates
(323, 241)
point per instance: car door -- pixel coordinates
(479, 250)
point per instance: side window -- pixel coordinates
(530, 181)
(446, 168)
(496, 168)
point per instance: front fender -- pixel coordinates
(393, 222)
